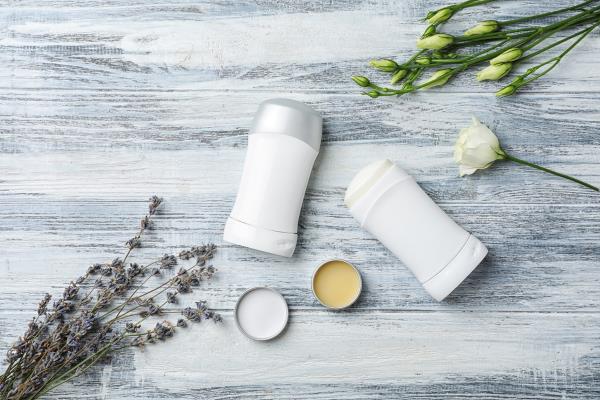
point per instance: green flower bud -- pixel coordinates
(361, 80)
(437, 17)
(482, 28)
(506, 91)
(509, 55)
(384, 65)
(429, 31)
(494, 72)
(423, 60)
(373, 94)
(439, 78)
(398, 76)
(435, 42)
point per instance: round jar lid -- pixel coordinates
(261, 313)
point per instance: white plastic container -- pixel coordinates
(392, 207)
(283, 144)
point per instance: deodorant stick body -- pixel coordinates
(283, 144)
(392, 207)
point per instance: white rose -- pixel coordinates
(476, 148)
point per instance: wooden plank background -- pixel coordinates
(105, 102)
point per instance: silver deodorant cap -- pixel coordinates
(289, 117)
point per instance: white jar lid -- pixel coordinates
(261, 313)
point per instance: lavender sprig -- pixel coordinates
(93, 319)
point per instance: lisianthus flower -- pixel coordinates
(477, 147)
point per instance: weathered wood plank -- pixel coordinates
(104, 103)
(130, 173)
(42, 121)
(228, 45)
(357, 355)
(547, 260)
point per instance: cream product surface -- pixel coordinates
(336, 284)
(261, 313)
(389, 204)
(283, 144)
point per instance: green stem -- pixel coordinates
(470, 3)
(545, 31)
(522, 42)
(493, 36)
(567, 23)
(465, 4)
(469, 57)
(525, 38)
(558, 42)
(556, 60)
(546, 14)
(414, 57)
(527, 163)
(527, 35)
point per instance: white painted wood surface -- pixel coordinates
(103, 103)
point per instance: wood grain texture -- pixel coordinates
(103, 103)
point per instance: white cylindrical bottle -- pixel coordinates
(283, 144)
(392, 207)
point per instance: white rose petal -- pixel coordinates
(477, 147)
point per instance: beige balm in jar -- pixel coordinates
(336, 284)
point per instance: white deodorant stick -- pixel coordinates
(392, 207)
(283, 144)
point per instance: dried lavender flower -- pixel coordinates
(163, 330)
(192, 314)
(89, 322)
(116, 264)
(153, 309)
(168, 261)
(172, 297)
(134, 270)
(70, 292)
(216, 317)
(184, 287)
(94, 269)
(185, 255)
(145, 223)
(155, 202)
(133, 243)
(43, 306)
(132, 327)
(106, 270)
